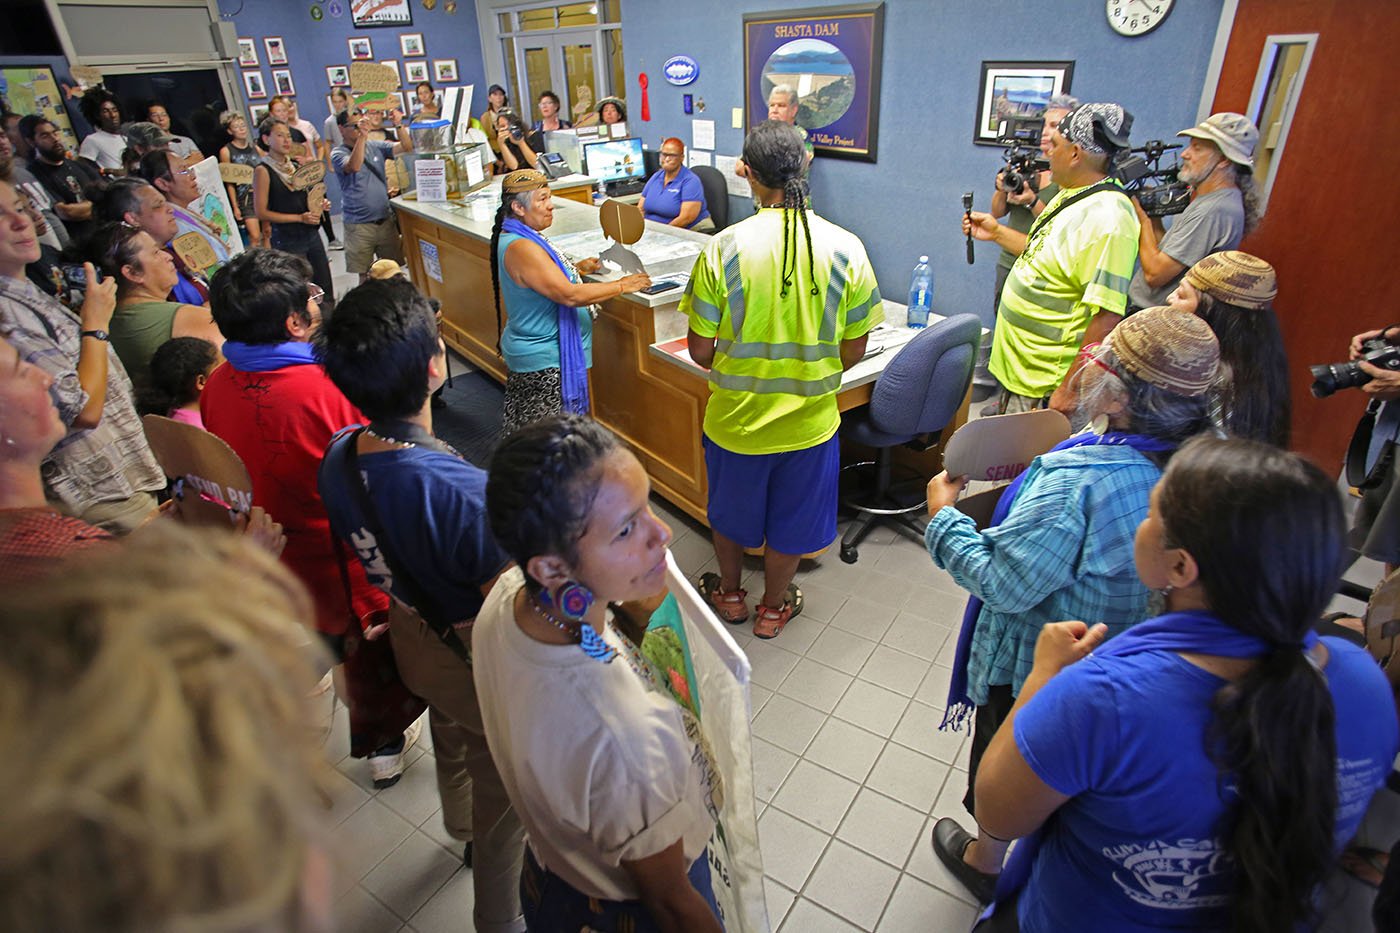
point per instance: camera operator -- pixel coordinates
(1218, 164)
(1376, 532)
(1019, 209)
(1068, 286)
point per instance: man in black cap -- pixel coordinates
(1069, 284)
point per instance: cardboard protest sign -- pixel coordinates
(212, 485)
(213, 204)
(1000, 448)
(86, 75)
(374, 85)
(232, 173)
(194, 251)
(316, 199)
(308, 175)
(621, 222)
(692, 657)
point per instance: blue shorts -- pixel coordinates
(786, 501)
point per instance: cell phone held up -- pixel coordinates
(75, 276)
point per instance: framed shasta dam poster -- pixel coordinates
(830, 59)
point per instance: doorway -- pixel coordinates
(572, 49)
(194, 100)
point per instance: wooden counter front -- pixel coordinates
(655, 401)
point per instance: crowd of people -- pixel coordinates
(1153, 713)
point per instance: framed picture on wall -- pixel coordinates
(1016, 89)
(276, 50)
(415, 72)
(338, 76)
(282, 82)
(367, 13)
(247, 52)
(394, 65)
(259, 114)
(360, 49)
(253, 85)
(830, 60)
(445, 70)
(411, 45)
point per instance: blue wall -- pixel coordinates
(910, 201)
(313, 46)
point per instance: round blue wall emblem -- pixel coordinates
(680, 70)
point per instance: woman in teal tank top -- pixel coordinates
(546, 340)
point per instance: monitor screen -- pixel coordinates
(614, 159)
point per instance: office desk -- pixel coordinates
(653, 399)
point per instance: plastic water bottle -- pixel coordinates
(920, 294)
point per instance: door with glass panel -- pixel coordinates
(572, 49)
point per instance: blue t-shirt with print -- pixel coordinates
(1136, 849)
(432, 506)
(364, 194)
(663, 202)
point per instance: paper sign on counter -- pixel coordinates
(475, 173)
(430, 176)
(432, 264)
(702, 134)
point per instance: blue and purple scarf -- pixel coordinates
(573, 366)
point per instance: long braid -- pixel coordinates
(787, 275)
(501, 213)
(795, 191)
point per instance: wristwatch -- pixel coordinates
(96, 334)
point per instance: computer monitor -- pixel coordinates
(614, 160)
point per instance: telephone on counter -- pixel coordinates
(554, 166)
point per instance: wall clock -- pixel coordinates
(1136, 17)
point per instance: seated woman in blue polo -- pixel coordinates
(674, 194)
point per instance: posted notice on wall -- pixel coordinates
(739, 187)
(430, 175)
(702, 134)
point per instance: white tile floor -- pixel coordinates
(850, 770)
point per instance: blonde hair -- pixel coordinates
(170, 777)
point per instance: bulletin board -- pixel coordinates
(35, 90)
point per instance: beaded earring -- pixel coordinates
(573, 602)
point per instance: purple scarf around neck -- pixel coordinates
(573, 366)
(960, 706)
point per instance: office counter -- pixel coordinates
(644, 386)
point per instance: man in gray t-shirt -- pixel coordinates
(371, 229)
(1218, 164)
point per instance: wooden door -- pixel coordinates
(1330, 228)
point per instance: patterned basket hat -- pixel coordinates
(1235, 278)
(1170, 349)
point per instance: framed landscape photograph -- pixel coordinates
(831, 59)
(360, 49)
(1016, 89)
(259, 113)
(411, 45)
(415, 72)
(276, 50)
(282, 82)
(445, 70)
(247, 53)
(253, 85)
(338, 76)
(369, 13)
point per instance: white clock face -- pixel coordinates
(1136, 17)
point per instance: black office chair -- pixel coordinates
(716, 194)
(914, 399)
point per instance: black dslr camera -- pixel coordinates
(1329, 377)
(1159, 190)
(1024, 163)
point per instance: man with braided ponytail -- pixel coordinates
(779, 305)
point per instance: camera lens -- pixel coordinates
(1331, 377)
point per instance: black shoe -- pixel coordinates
(981, 392)
(467, 855)
(950, 841)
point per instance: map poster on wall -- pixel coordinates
(34, 90)
(831, 59)
(367, 13)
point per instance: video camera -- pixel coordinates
(1024, 163)
(1159, 190)
(1329, 377)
